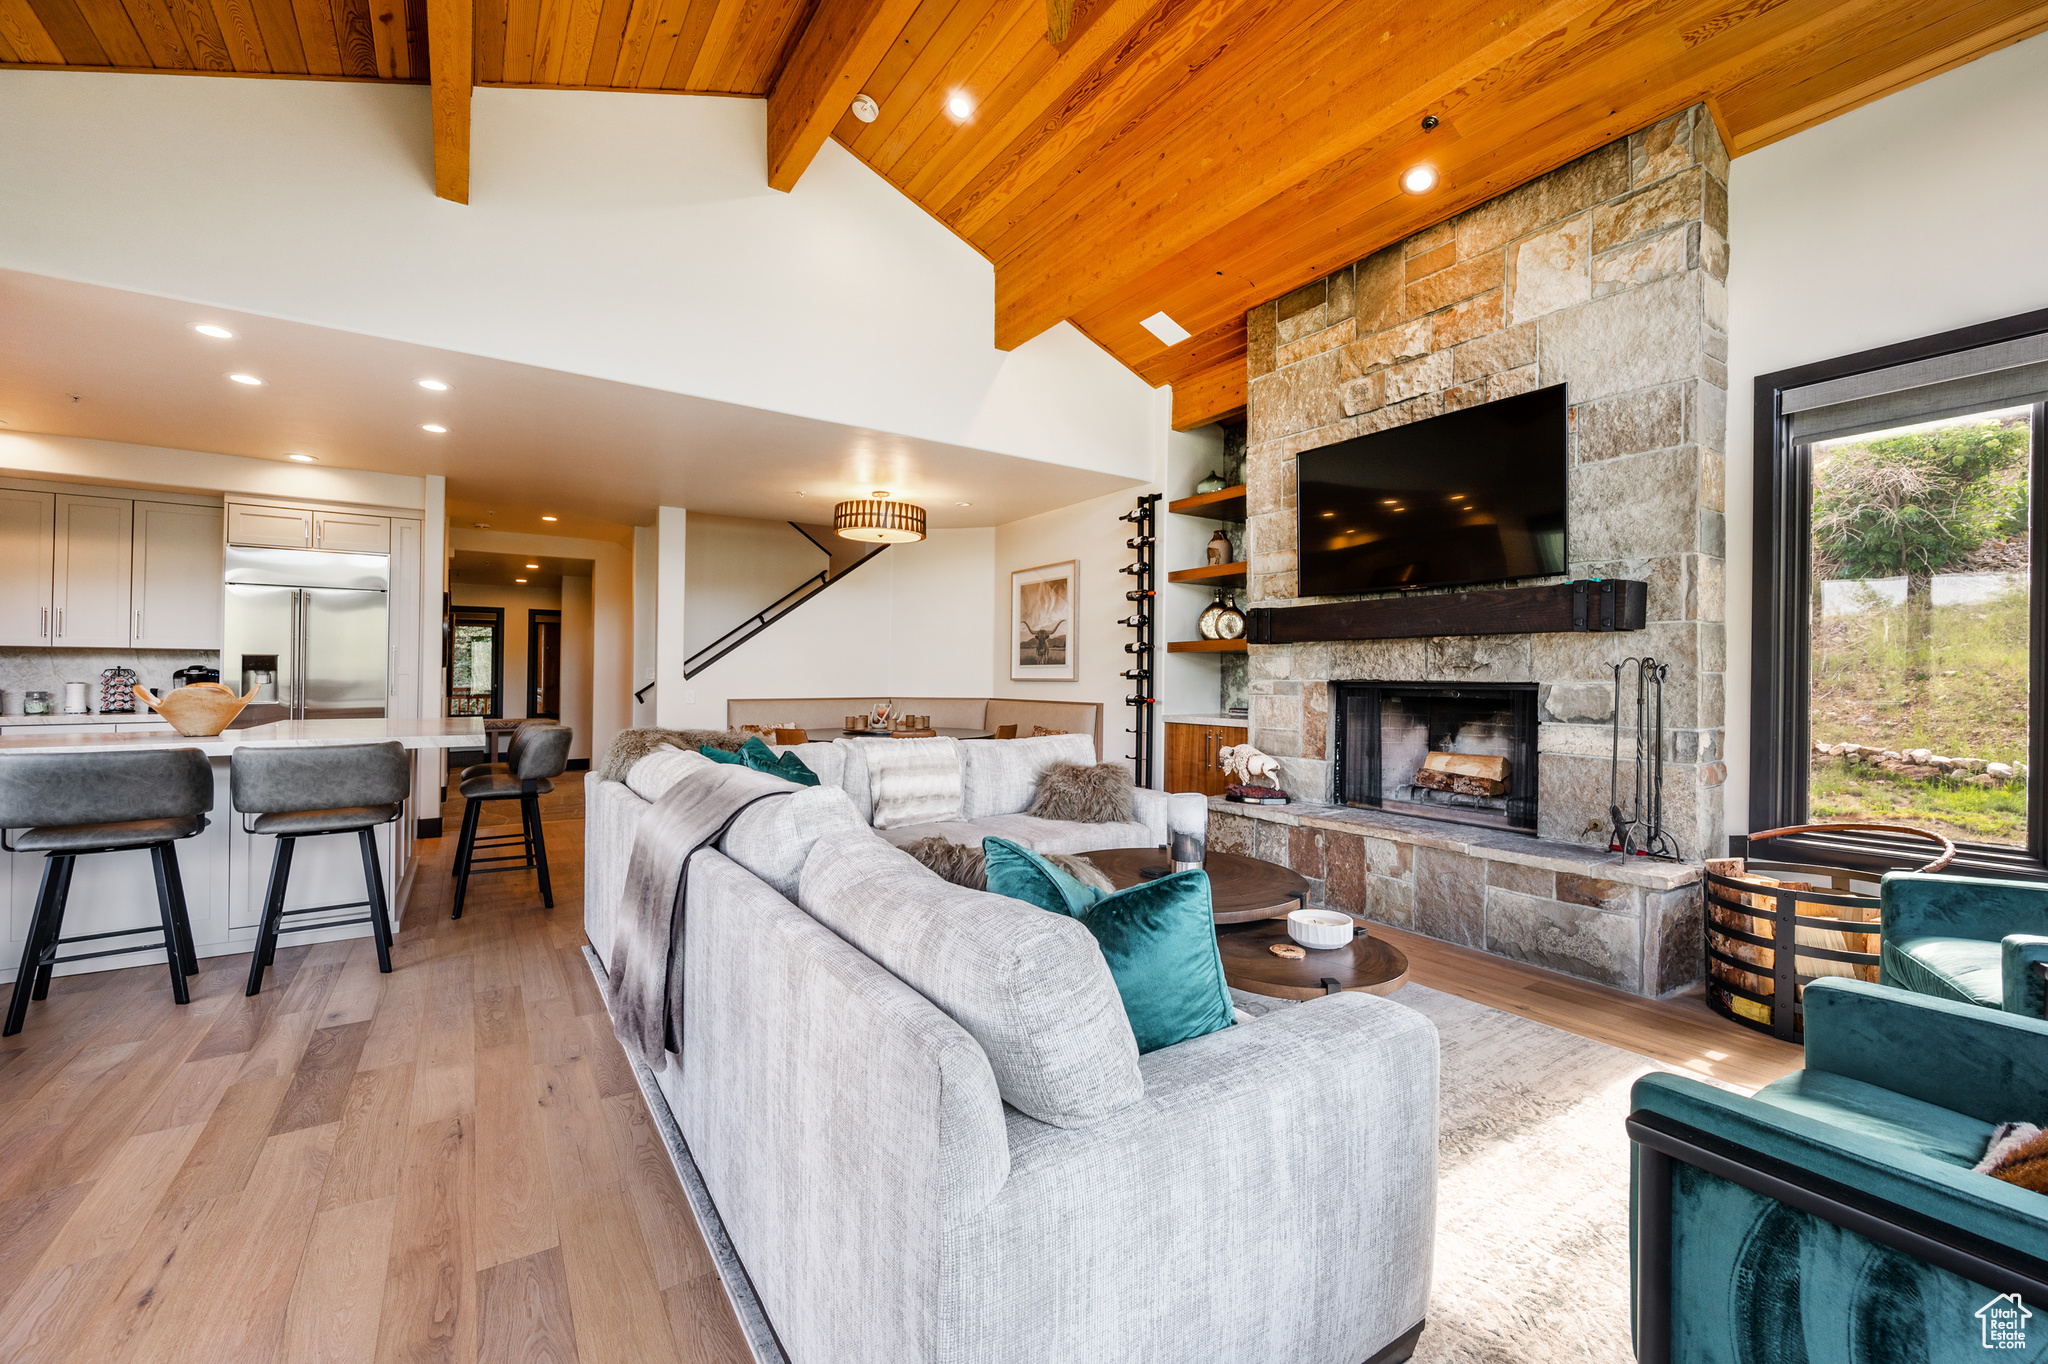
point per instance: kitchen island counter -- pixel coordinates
(225, 869)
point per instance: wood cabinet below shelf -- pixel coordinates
(1192, 761)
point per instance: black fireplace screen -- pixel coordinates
(1447, 751)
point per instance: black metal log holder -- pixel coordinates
(1141, 595)
(1639, 830)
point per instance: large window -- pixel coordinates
(476, 664)
(1919, 620)
(1898, 639)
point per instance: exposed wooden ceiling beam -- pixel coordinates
(451, 62)
(838, 50)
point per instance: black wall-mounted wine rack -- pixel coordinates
(1141, 595)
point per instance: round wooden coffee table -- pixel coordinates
(1369, 964)
(1241, 889)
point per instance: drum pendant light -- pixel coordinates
(879, 520)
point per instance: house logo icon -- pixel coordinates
(2004, 1319)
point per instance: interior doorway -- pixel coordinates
(544, 664)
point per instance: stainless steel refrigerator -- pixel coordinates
(311, 631)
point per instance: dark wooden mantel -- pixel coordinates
(1556, 608)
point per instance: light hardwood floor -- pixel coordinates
(451, 1162)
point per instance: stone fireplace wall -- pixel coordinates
(1607, 275)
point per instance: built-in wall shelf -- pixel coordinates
(1207, 646)
(1225, 504)
(1211, 575)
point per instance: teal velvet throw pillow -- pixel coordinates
(1159, 939)
(788, 766)
(762, 758)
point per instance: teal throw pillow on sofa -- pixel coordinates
(787, 766)
(762, 758)
(1159, 939)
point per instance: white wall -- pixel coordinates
(737, 566)
(578, 639)
(646, 618)
(1090, 533)
(515, 602)
(106, 461)
(913, 621)
(1923, 212)
(621, 235)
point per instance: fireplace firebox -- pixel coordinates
(1443, 750)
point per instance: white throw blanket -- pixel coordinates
(912, 781)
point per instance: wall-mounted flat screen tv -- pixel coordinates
(1472, 496)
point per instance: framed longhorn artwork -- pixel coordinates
(1043, 629)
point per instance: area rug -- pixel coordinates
(1532, 1191)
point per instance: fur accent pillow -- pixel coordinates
(964, 865)
(2017, 1154)
(629, 746)
(1084, 795)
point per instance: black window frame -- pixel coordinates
(477, 615)
(1780, 735)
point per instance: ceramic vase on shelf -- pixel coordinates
(1205, 625)
(1212, 484)
(1230, 624)
(1219, 547)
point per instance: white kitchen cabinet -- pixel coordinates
(270, 527)
(90, 591)
(351, 533)
(28, 549)
(177, 585)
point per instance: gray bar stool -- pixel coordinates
(300, 793)
(542, 755)
(71, 805)
(504, 769)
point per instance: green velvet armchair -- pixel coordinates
(1833, 1217)
(1970, 940)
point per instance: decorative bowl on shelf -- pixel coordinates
(1320, 929)
(198, 711)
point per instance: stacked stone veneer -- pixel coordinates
(1606, 275)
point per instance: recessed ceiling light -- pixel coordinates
(249, 379)
(1419, 179)
(434, 384)
(963, 504)
(1166, 329)
(519, 580)
(960, 105)
(533, 565)
(548, 518)
(434, 427)
(302, 459)
(208, 329)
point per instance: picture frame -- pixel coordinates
(1043, 633)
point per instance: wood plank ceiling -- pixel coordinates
(1195, 157)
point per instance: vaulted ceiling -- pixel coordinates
(1192, 157)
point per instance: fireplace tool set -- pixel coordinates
(1639, 831)
(1139, 674)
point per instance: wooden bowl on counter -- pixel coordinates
(198, 711)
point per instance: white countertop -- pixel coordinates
(285, 733)
(139, 716)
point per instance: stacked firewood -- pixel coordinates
(1466, 774)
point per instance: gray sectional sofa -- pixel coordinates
(927, 1131)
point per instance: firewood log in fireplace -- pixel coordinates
(1465, 774)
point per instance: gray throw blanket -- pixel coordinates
(647, 957)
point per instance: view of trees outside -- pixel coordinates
(469, 672)
(1919, 628)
